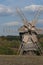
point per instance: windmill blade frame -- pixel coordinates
(24, 19)
(34, 21)
(39, 30)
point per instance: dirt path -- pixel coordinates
(20, 60)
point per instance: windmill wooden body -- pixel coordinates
(28, 35)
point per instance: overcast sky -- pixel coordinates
(10, 20)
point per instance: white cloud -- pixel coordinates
(4, 10)
(16, 23)
(13, 23)
(33, 7)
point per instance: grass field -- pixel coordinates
(9, 45)
(20, 60)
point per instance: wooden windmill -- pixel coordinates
(29, 36)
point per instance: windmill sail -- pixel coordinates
(35, 18)
(19, 11)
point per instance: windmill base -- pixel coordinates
(30, 52)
